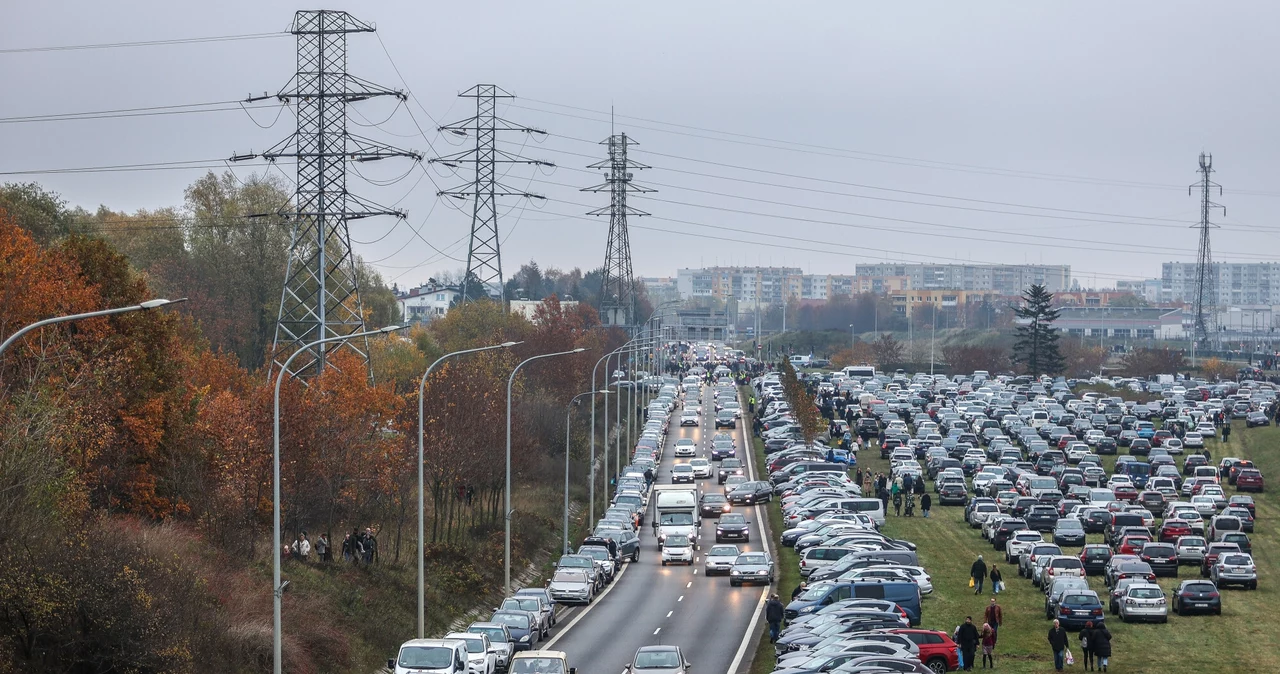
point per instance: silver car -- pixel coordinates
(751, 567)
(658, 660)
(1191, 550)
(720, 559)
(1235, 568)
(500, 642)
(1144, 601)
(571, 586)
(532, 605)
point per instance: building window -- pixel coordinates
(1079, 332)
(1146, 333)
(439, 297)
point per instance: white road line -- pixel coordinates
(681, 598)
(657, 630)
(588, 608)
(689, 584)
(669, 613)
(751, 630)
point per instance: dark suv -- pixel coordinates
(953, 493)
(1095, 558)
(1042, 517)
(1005, 529)
(1162, 557)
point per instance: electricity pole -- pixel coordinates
(1206, 279)
(321, 295)
(484, 255)
(617, 292)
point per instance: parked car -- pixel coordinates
(1069, 531)
(1250, 479)
(1190, 550)
(1143, 602)
(1235, 568)
(1095, 557)
(1163, 558)
(1197, 596)
(1075, 608)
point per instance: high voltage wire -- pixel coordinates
(200, 164)
(145, 43)
(861, 154)
(183, 109)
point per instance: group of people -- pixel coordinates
(968, 637)
(1095, 644)
(359, 547)
(903, 489)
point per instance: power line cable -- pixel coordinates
(145, 43)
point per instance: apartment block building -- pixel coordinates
(1008, 280)
(1233, 283)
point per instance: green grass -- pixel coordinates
(1242, 639)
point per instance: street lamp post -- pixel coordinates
(506, 548)
(277, 589)
(853, 337)
(572, 403)
(144, 306)
(422, 385)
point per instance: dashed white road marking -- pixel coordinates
(689, 584)
(669, 613)
(681, 598)
(657, 630)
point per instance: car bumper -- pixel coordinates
(1224, 578)
(1145, 612)
(1169, 568)
(717, 569)
(750, 579)
(1075, 541)
(1077, 621)
(566, 598)
(1194, 606)
(733, 535)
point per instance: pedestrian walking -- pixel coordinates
(302, 547)
(977, 574)
(906, 483)
(773, 614)
(988, 637)
(1086, 646)
(925, 502)
(1100, 641)
(348, 548)
(897, 504)
(997, 581)
(968, 639)
(859, 476)
(1226, 432)
(884, 499)
(1058, 642)
(911, 504)
(993, 615)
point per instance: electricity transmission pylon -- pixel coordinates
(1206, 280)
(484, 253)
(321, 296)
(617, 284)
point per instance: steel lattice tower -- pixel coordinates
(321, 296)
(617, 294)
(1206, 299)
(484, 254)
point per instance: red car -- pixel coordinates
(937, 650)
(1132, 545)
(1160, 436)
(1126, 492)
(1171, 530)
(1249, 479)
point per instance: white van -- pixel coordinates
(801, 361)
(430, 656)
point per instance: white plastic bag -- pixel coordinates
(1070, 659)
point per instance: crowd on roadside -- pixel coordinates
(358, 547)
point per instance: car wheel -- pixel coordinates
(938, 665)
(635, 556)
(664, 562)
(734, 583)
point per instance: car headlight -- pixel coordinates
(524, 639)
(808, 609)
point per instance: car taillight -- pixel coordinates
(1213, 595)
(1064, 610)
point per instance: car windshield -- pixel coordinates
(1235, 560)
(569, 577)
(1200, 587)
(724, 551)
(1070, 524)
(677, 519)
(656, 660)
(677, 542)
(682, 468)
(512, 620)
(713, 498)
(538, 666)
(750, 559)
(495, 634)
(1145, 592)
(522, 604)
(474, 644)
(815, 593)
(426, 657)
(1080, 599)
(732, 518)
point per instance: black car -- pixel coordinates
(1095, 557)
(726, 419)
(728, 466)
(1197, 596)
(1021, 504)
(733, 527)
(1256, 419)
(713, 505)
(1106, 445)
(953, 493)
(1096, 521)
(1162, 557)
(1005, 529)
(749, 493)
(1140, 447)
(1041, 517)
(1192, 462)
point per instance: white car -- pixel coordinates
(1019, 543)
(677, 549)
(689, 418)
(1193, 440)
(1205, 505)
(1091, 438)
(480, 660)
(915, 573)
(1172, 445)
(686, 447)
(701, 467)
(981, 512)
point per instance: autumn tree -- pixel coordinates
(1081, 360)
(802, 403)
(886, 351)
(1217, 369)
(969, 358)
(1147, 362)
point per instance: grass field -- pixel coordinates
(1243, 639)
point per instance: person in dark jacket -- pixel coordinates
(773, 614)
(1100, 642)
(1086, 646)
(799, 589)
(996, 580)
(978, 573)
(1058, 642)
(967, 638)
(925, 502)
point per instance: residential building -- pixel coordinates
(699, 325)
(1009, 280)
(426, 302)
(1149, 290)
(527, 308)
(748, 285)
(1232, 283)
(908, 300)
(661, 289)
(1090, 298)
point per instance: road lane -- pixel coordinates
(654, 604)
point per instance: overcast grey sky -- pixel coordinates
(1080, 106)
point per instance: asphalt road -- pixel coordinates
(652, 604)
